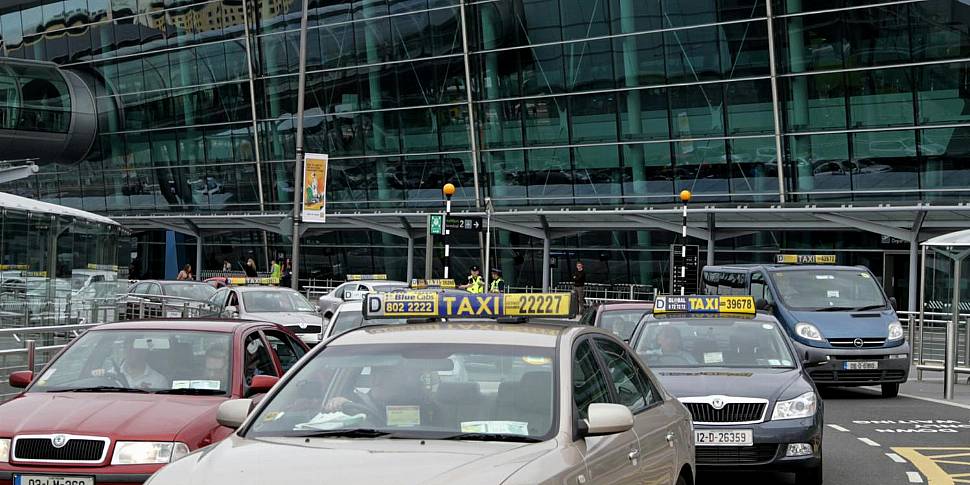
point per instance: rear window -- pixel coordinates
(200, 292)
(621, 323)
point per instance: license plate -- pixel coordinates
(727, 437)
(861, 365)
(51, 480)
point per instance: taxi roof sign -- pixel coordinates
(363, 277)
(419, 284)
(246, 281)
(704, 304)
(457, 305)
(805, 259)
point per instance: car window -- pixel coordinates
(140, 289)
(287, 350)
(589, 317)
(339, 292)
(257, 360)
(759, 288)
(233, 300)
(621, 323)
(633, 388)
(589, 383)
(219, 299)
(154, 289)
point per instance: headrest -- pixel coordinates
(458, 392)
(535, 392)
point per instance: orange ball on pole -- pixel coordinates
(448, 189)
(685, 196)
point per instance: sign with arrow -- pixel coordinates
(464, 223)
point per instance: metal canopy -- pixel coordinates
(893, 221)
(953, 239)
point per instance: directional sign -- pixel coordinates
(463, 223)
(684, 270)
(436, 223)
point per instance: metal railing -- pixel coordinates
(928, 341)
(32, 347)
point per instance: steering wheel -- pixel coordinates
(118, 376)
(351, 408)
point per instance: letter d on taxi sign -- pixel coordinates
(660, 304)
(373, 304)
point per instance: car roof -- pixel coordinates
(778, 267)
(378, 282)
(263, 288)
(626, 306)
(456, 332)
(357, 305)
(172, 282)
(183, 324)
(757, 317)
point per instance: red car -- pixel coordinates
(124, 399)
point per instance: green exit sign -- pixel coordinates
(437, 223)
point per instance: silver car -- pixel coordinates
(536, 404)
(272, 304)
(351, 291)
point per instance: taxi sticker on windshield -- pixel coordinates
(864, 275)
(197, 384)
(824, 277)
(403, 416)
(273, 416)
(832, 293)
(767, 326)
(713, 357)
(501, 427)
(531, 360)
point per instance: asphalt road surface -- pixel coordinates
(871, 440)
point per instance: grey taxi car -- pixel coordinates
(353, 290)
(537, 404)
(283, 306)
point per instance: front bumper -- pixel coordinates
(834, 373)
(310, 339)
(769, 452)
(103, 475)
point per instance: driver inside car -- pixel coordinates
(134, 370)
(394, 389)
(671, 347)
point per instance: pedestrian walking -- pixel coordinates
(250, 268)
(579, 285)
(276, 272)
(226, 266)
(185, 274)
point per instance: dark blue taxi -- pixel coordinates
(752, 402)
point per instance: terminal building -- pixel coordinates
(831, 125)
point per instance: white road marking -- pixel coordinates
(896, 458)
(838, 428)
(869, 442)
(914, 477)
(927, 399)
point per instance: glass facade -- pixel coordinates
(573, 103)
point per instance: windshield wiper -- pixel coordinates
(344, 433)
(835, 309)
(492, 437)
(102, 389)
(871, 307)
(192, 392)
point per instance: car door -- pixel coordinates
(233, 305)
(218, 301)
(256, 360)
(286, 349)
(653, 421)
(608, 458)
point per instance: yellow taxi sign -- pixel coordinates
(419, 284)
(414, 304)
(243, 281)
(805, 259)
(704, 304)
(363, 277)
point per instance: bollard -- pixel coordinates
(31, 354)
(185, 310)
(141, 310)
(966, 344)
(922, 324)
(94, 312)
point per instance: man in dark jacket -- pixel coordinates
(579, 285)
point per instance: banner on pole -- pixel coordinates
(315, 187)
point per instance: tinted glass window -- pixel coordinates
(589, 383)
(258, 361)
(632, 387)
(288, 351)
(621, 323)
(828, 289)
(713, 342)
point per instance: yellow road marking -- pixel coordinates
(929, 461)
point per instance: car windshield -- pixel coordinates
(351, 319)
(621, 323)
(420, 390)
(388, 287)
(192, 291)
(275, 301)
(813, 290)
(156, 360)
(713, 342)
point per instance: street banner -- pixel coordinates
(315, 187)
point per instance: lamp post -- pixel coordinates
(298, 166)
(448, 190)
(488, 238)
(685, 198)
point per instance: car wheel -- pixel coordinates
(811, 476)
(890, 390)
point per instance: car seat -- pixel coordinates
(458, 402)
(534, 403)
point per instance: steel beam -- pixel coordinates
(519, 228)
(874, 227)
(668, 226)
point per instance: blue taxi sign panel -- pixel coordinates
(704, 304)
(365, 277)
(805, 259)
(415, 304)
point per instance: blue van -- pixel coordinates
(841, 309)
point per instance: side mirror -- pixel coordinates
(21, 379)
(233, 412)
(894, 303)
(815, 358)
(606, 419)
(262, 384)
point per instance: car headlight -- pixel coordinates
(808, 331)
(147, 452)
(803, 406)
(895, 331)
(4, 450)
